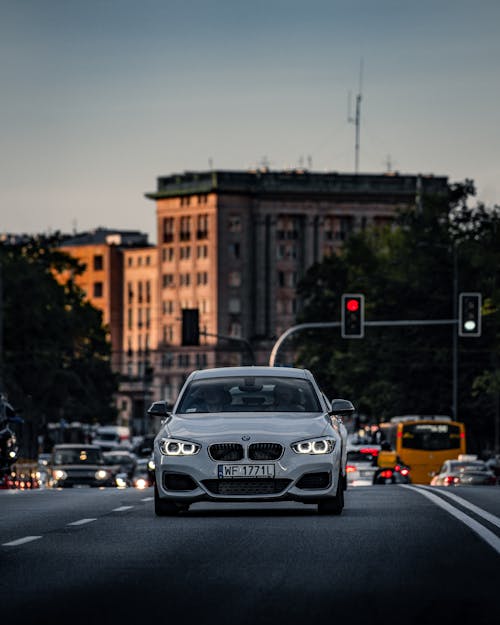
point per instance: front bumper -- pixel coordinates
(306, 478)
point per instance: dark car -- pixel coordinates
(121, 461)
(79, 465)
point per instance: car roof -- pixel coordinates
(282, 372)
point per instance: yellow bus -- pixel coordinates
(424, 442)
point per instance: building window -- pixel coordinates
(130, 293)
(183, 360)
(148, 260)
(130, 261)
(185, 279)
(234, 250)
(281, 278)
(204, 306)
(167, 254)
(185, 228)
(202, 251)
(139, 293)
(148, 292)
(167, 280)
(234, 224)
(235, 329)
(168, 334)
(98, 262)
(168, 229)
(98, 290)
(168, 307)
(234, 305)
(234, 278)
(130, 317)
(202, 278)
(185, 201)
(185, 252)
(202, 227)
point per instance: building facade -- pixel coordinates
(101, 252)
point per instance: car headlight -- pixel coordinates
(151, 465)
(101, 474)
(59, 474)
(314, 446)
(174, 447)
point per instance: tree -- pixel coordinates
(56, 355)
(406, 271)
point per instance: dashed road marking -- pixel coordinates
(21, 541)
(147, 499)
(82, 521)
(122, 508)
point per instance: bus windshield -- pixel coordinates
(431, 436)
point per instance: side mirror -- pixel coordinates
(341, 407)
(159, 409)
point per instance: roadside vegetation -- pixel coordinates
(407, 271)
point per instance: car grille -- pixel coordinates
(311, 481)
(246, 487)
(178, 481)
(226, 451)
(265, 451)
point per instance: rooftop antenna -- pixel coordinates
(357, 118)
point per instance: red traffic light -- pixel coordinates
(352, 305)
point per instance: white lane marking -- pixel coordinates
(492, 539)
(147, 499)
(494, 520)
(82, 521)
(21, 541)
(122, 508)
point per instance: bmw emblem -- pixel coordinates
(245, 437)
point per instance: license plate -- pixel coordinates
(225, 471)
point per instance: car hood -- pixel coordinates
(229, 426)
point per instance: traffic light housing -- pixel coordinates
(190, 326)
(353, 316)
(469, 314)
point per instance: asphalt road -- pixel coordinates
(396, 556)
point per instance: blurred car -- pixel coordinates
(112, 437)
(361, 465)
(79, 465)
(464, 473)
(122, 463)
(144, 474)
(249, 434)
(143, 448)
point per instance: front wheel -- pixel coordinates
(165, 507)
(333, 505)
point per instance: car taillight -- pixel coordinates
(386, 474)
(405, 472)
(369, 450)
(449, 480)
(350, 469)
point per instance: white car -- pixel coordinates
(250, 434)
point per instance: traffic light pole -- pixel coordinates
(336, 324)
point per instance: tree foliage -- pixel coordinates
(406, 272)
(56, 356)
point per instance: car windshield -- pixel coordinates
(249, 394)
(78, 455)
